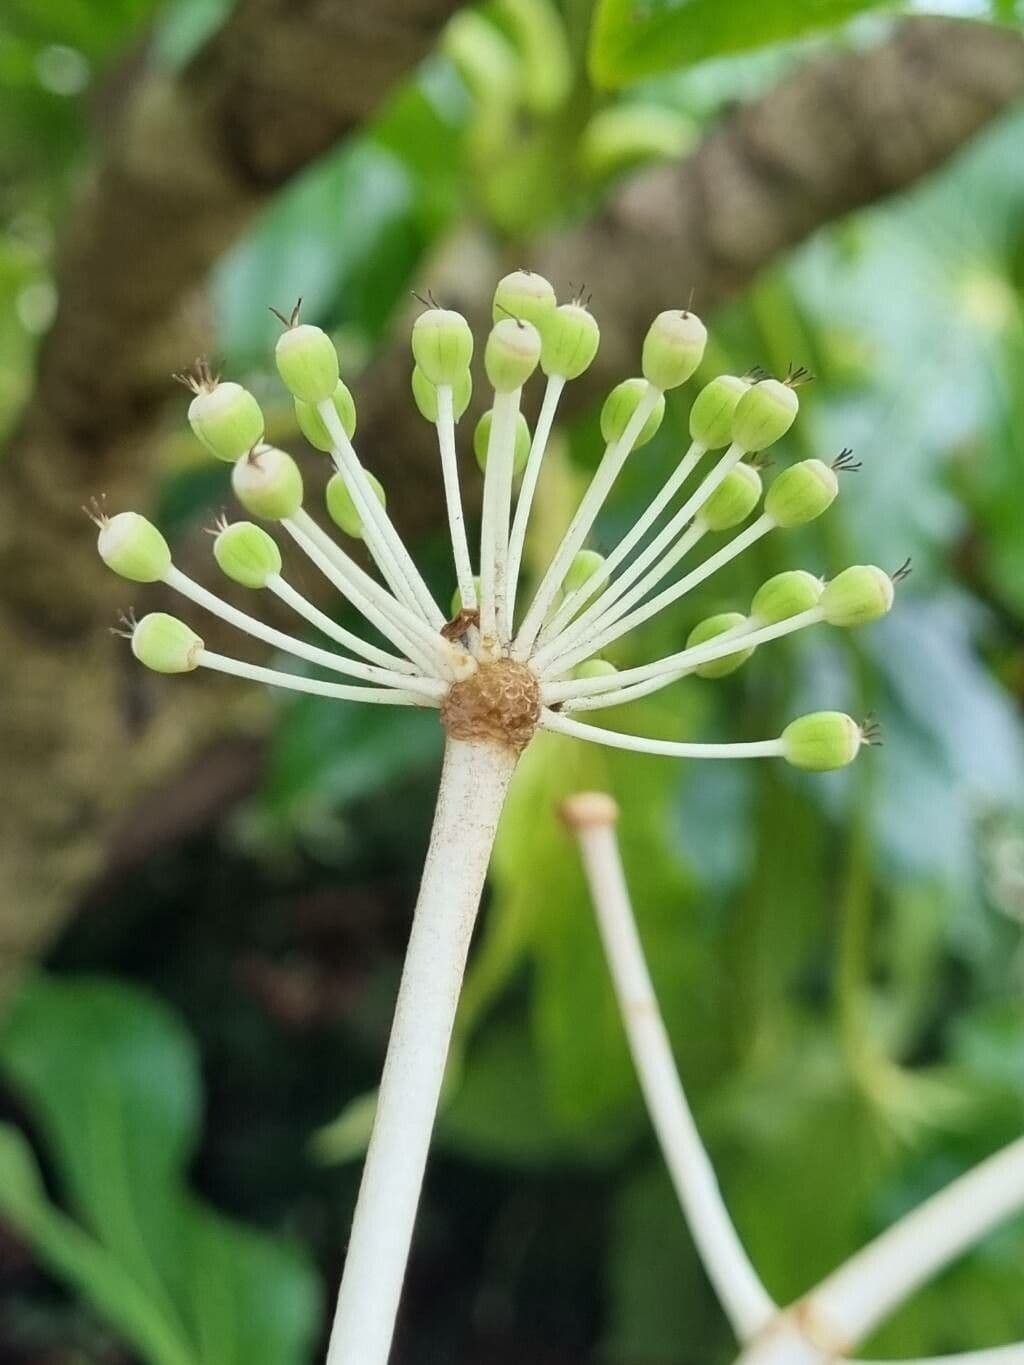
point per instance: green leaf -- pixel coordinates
(119, 1110)
(631, 39)
(119, 1113)
(75, 1256)
(499, 1112)
(348, 1136)
(654, 1277)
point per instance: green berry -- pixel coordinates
(268, 484)
(673, 348)
(133, 547)
(714, 408)
(313, 426)
(482, 436)
(585, 564)
(709, 629)
(341, 506)
(822, 741)
(247, 554)
(457, 597)
(764, 414)
(512, 354)
(733, 500)
(165, 644)
(307, 362)
(859, 595)
(570, 340)
(526, 296)
(801, 493)
(594, 668)
(442, 345)
(787, 594)
(227, 419)
(425, 394)
(620, 406)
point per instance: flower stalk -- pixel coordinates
(825, 1326)
(474, 781)
(592, 816)
(495, 674)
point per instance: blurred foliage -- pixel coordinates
(631, 40)
(112, 1082)
(841, 960)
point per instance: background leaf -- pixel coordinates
(119, 1112)
(632, 39)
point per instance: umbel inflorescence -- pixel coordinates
(496, 672)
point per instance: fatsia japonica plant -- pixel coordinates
(497, 670)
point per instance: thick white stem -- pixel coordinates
(740, 1291)
(562, 725)
(861, 1293)
(473, 787)
(608, 471)
(527, 489)
(497, 505)
(453, 496)
(578, 599)
(385, 544)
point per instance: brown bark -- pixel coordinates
(841, 132)
(189, 161)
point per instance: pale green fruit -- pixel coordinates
(165, 644)
(822, 741)
(133, 548)
(342, 508)
(307, 362)
(709, 629)
(268, 484)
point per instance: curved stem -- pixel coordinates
(299, 649)
(671, 594)
(387, 546)
(741, 1293)
(394, 621)
(472, 793)
(295, 682)
(864, 1291)
(562, 725)
(291, 597)
(619, 696)
(663, 541)
(580, 635)
(671, 665)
